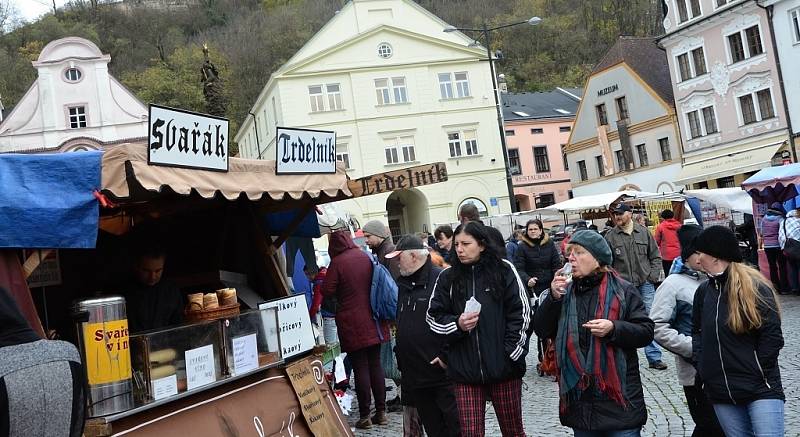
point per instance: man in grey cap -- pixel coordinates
(379, 241)
(638, 261)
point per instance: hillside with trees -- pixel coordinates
(158, 53)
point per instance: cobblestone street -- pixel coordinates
(667, 411)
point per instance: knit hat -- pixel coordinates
(595, 244)
(375, 227)
(687, 234)
(719, 242)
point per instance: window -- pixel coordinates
(622, 108)
(756, 106)
(745, 44)
(564, 129)
(537, 131)
(699, 61)
(343, 155)
(391, 91)
(564, 157)
(692, 64)
(540, 159)
(621, 162)
(726, 182)
(384, 50)
(544, 200)
(702, 122)
(77, 117)
(317, 99)
(462, 84)
(684, 68)
(666, 153)
(510, 132)
(688, 9)
(513, 162)
(469, 146)
(794, 18)
(399, 149)
(445, 85)
(582, 170)
(641, 150)
(600, 169)
(334, 96)
(602, 116)
(72, 74)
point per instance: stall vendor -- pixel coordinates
(151, 302)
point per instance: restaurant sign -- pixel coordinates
(179, 138)
(303, 151)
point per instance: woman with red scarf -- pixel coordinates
(598, 320)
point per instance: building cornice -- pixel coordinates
(664, 120)
(701, 24)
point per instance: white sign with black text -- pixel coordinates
(294, 325)
(200, 368)
(301, 151)
(179, 138)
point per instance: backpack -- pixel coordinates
(382, 294)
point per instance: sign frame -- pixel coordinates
(310, 340)
(195, 114)
(280, 171)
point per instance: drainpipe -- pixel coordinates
(770, 14)
(255, 128)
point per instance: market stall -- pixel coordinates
(233, 372)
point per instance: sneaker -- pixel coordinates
(364, 424)
(380, 418)
(658, 365)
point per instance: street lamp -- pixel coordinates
(485, 31)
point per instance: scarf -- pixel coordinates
(603, 367)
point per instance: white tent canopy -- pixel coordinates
(595, 202)
(735, 199)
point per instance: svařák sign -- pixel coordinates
(302, 151)
(179, 138)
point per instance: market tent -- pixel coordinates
(734, 199)
(595, 202)
(47, 200)
(774, 184)
(127, 177)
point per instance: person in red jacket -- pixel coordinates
(667, 239)
(349, 278)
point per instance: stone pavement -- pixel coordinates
(667, 411)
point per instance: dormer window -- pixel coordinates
(72, 74)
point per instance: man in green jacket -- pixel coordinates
(637, 259)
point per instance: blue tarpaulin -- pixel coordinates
(277, 222)
(47, 200)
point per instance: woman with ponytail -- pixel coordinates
(736, 339)
(598, 320)
(480, 304)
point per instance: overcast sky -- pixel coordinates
(32, 9)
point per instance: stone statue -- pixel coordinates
(212, 86)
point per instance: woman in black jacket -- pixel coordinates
(736, 339)
(537, 258)
(599, 321)
(487, 346)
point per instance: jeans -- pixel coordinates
(705, 420)
(794, 271)
(648, 292)
(634, 432)
(369, 379)
(329, 330)
(761, 418)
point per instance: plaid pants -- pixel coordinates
(506, 399)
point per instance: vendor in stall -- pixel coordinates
(151, 301)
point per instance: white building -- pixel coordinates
(75, 104)
(626, 134)
(785, 19)
(396, 97)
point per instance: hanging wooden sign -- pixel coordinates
(410, 177)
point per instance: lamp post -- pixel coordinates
(486, 32)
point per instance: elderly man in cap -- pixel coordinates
(420, 352)
(379, 241)
(638, 261)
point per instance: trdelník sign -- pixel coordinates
(304, 151)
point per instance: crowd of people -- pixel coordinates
(469, 303)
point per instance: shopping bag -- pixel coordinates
(389, 360)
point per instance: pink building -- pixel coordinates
(727, 89)
(537, 128)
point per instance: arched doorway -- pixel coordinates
(407, 212)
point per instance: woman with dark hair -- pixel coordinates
(480, 304)
(598, 320)
(537, 258)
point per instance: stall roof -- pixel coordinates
(767, 177)
(126, 164)
(595, 202)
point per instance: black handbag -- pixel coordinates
(792, 247)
